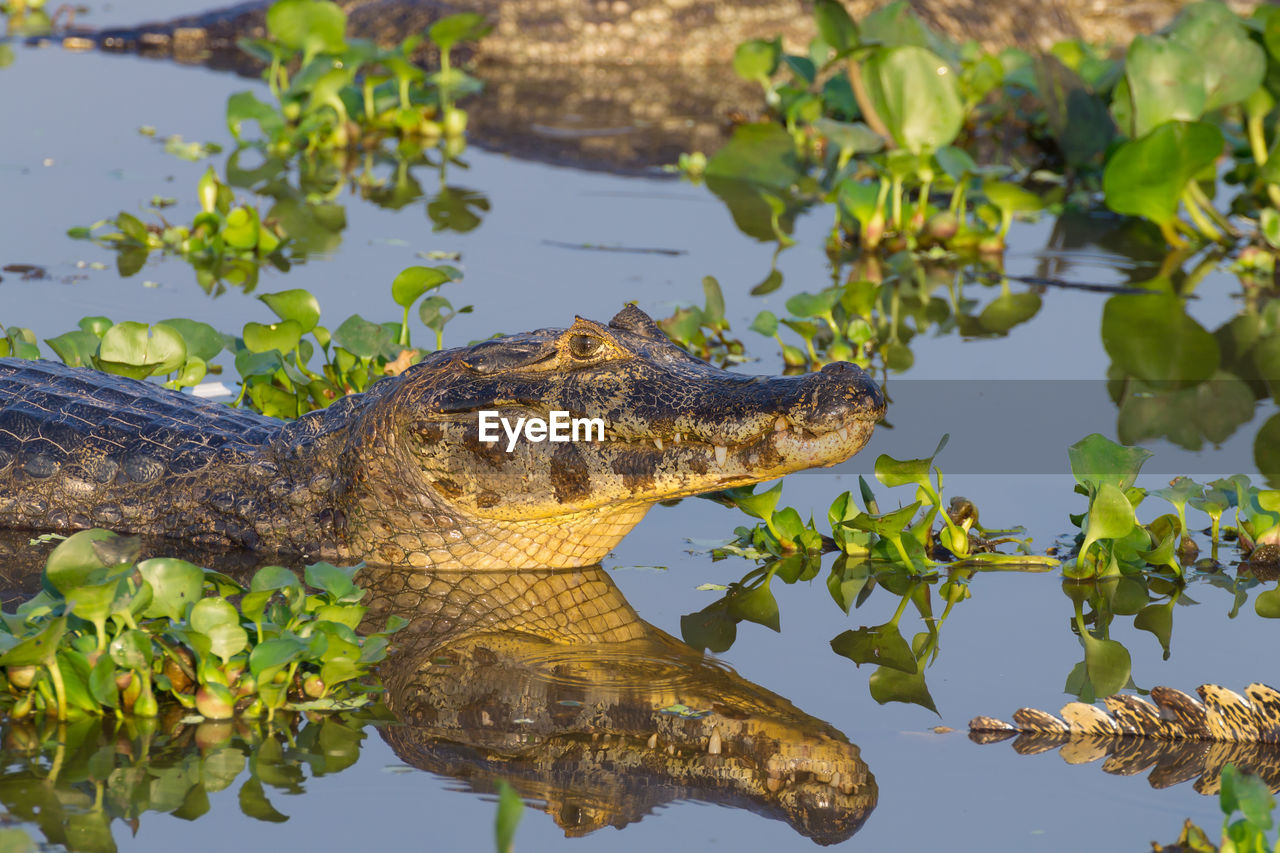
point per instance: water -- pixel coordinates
(71, 154)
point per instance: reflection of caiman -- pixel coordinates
(398, 475)
(550, 681)
(1182, 738)
(627, 84)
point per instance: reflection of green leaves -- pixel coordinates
(1152, 338)
(711, 628)
(510, 810)
(755, 605)
(883, 645)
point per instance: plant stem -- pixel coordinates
(1202, 224)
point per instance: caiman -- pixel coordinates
(550, 681)
(1181, 737)
(398, 475)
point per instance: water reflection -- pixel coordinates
(550, 681)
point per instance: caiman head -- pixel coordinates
(427, 486)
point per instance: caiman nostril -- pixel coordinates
(840, 368)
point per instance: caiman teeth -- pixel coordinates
(679, 437)
(722, 455)
(780, 425)
(658, 443)
(843, 432)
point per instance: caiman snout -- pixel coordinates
(838, 393)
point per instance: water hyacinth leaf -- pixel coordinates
(283, 336)
(882, 645)
(361, 338)
(813, 304)
(334, 581)
(1152, 337)
(102, 682)
(74, 669)
(93, 602)
(850, 137)
(240, 231)
(1232, 64)
(202, 340)
(311, 26)
(175, 584)
(755, 605)
(888, 524)
(412, 282)
(270, 655)
(1147, 175)
(1097, 460)
(894, 472)
(156, 349)
(510, 810)
(759, 504)
(1110, 517)
(38, 649)
(75, 562)
(916, 93)
(76, 349)
(1248, 793)
(757, 60)
(297, 305)
(465, 26)
(1164, 81)
(132, 650)
(835, 27)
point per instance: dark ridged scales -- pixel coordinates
(80, 448)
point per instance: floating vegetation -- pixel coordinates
(111, 634)
(349, 93)
(274, 360)
(1238, 793)
(890, 123)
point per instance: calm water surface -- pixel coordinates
(70, 154)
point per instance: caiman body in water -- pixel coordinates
(550, 681)
(398, 475)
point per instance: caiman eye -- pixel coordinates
(585, 346)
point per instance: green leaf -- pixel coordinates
(760, 154)
(361, 338)
(270, 655)
(1110, 517)
(202, 340)
(1232, 64)
(916, 93)
(1165, 81)
(38, 649)
(311, 26)
(298, 305)
(1267, 604)
(757, 59)
(411, 283)
(131, 348)
(1107, 664)
(1146, 176)
(334, 581)
(510, 810)
(282, 336)
(466, 26)
(756, 505)
(835, 27)
(175, 585)
(75, 561)
(1097, 460)
(242, 107)
(76, 349)
(132, 650)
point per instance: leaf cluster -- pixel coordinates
(111, 634)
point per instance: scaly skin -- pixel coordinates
(1182, 737)
(550, 681)
(398, 476)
